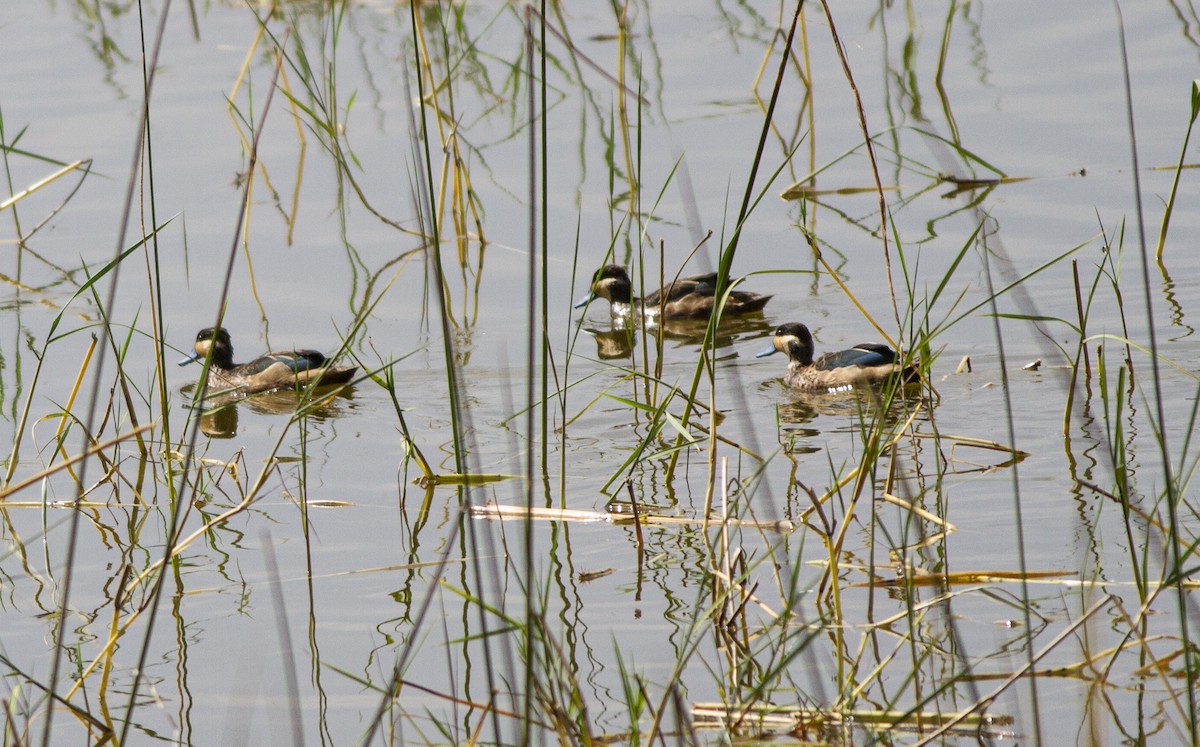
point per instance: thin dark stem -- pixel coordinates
(866, 133)
(110, 301)
(545, 226)
(727, 254)
(1177, 570)
(439, 275)
(532, 344)
(287, 656)
(193, 436)
(1018, 521)
(726, 259)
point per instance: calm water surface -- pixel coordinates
(1033, 90)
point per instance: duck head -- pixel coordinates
(611, 283)
(793, 339)
(215, 339)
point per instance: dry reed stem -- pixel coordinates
(779, 718)
(501, 512)
(896, 500)
(1023, 671)
(62, 421)
(91, 451)
(43, 182)
(176, 549)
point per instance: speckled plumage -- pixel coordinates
(692, 297)
(867, 363)
(288, 369)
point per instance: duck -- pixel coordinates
(290, 369)
(867, 363)
(692, 297)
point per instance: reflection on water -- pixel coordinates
(613, 343)
(620, 341)
(219, 418)
(863, 401)
(845, 409)
(334, 232)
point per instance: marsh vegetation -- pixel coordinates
(524, 523)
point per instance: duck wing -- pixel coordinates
(295, 361)
(704, 285)
(745, 302)
(864, 355)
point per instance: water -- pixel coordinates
(1035, 95)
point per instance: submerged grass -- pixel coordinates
(860, 638)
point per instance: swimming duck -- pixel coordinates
(867, 363)
(692, 297)
(288, 369)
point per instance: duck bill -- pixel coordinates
(584, 301)
(189, 359)
(764, 353)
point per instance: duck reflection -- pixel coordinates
(612, 343)
(219, 418)
(849, 407)
(620, 340)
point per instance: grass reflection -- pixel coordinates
(558, 527)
